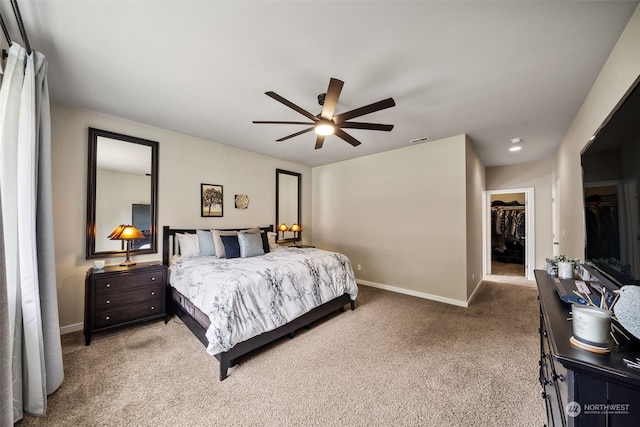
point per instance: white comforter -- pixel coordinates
(244, 297)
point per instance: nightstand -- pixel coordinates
(117, 296)
(302, 246)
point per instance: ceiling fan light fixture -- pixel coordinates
(324, 128)
(328, 123)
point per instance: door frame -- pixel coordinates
(529, 249)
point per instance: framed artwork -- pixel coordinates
(211, 200)
(242, 201)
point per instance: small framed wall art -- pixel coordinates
(211, 201)
(242, 201)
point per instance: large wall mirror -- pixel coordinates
(288, 207)
(122, 189)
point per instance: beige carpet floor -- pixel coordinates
(395, 360)
(507, 269)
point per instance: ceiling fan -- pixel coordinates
(326, 123)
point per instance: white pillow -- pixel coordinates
(188, 244)
(271, 237)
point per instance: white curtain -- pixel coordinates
(32, 336)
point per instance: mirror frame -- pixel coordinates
(299, 176)
(91, 194)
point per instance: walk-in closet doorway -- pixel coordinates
(508, 235)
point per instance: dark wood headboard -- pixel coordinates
(169, 246)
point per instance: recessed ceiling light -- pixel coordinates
(516, 148)
(516, 140)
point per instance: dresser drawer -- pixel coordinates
(119, 296)
(114, 317)
(112, 300)
(127, 281)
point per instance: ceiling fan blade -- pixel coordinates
(368, 126)
(367, 109)
(351, 140)
(281, 122)
(292, 106)
(331, 98)
(284, 138)
(319, 141)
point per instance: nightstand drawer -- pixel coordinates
(107, 301)
(130, 312)
(126, 281)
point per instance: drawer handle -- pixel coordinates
(108, 301)
(108, 285)
(153, 292)
(153, 279)
(153, 308)
(107, 318)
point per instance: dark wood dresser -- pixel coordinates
(582, 388)
(117, 296)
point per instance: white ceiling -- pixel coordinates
(492, 70)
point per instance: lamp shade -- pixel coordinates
(295, 228)
(283, 227)
(116, 232)
(125, 232)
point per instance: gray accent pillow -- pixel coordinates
(205, 243)
(250, 245)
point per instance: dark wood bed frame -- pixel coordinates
(227, 358)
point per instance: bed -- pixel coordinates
(237, 304)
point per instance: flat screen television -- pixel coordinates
(611, 185)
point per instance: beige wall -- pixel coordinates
(475, 187)
(536, 175)
(184, 163)
(402, 216)
(619, 72)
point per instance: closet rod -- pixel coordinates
(508, 208)
(23, 32)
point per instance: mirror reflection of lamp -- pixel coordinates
(296, 229)
(126, 233)
(283, 227)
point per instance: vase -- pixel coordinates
(565, 270)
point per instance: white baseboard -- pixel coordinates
(71, 328)
(416, 293)
(474, 293)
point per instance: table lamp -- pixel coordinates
(126, 233)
